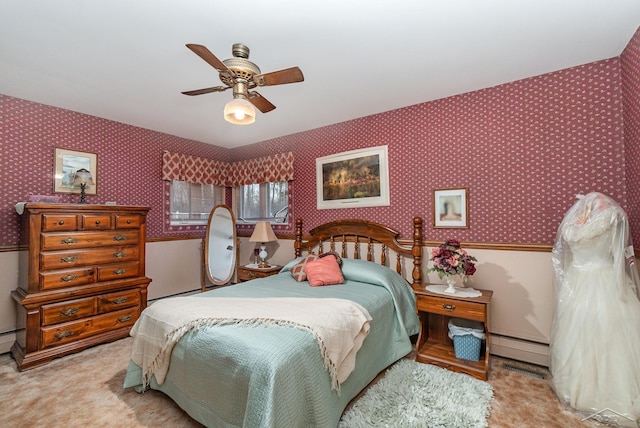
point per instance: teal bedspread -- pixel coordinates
(273, 376)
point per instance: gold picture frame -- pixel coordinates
(66, 163)
(451, 208)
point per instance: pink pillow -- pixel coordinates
(324, 271)
(298, 272)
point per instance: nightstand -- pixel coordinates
(434, 345)
(249, 272)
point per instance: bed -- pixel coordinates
(236, 374)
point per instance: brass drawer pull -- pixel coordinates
(119, 254)
(119, 271)
(69, 241)
(125, 318)
(63, 334)
(119, 238)
(69, 312)
(69, 259)
(97, 221)
(449, 307)
(69, 278)
(128, 221)
(119, 300)
(61, 222)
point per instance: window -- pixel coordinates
(260, 202)
(191, 203)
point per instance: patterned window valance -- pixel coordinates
(193, 169)
(268, 169)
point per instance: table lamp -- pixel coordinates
(83, 179)
(263, 233)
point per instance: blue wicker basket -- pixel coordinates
(467, 336)
(467, 347)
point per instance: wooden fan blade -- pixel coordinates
(261, 103)
(206, 90)
(288, 75)
(210, 58)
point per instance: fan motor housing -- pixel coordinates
(240, 65)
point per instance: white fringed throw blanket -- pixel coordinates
(340, 326)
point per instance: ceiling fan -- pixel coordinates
(242, 75)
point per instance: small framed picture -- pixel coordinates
(450, 208)
(66, 163)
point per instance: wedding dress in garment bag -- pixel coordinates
(595, 337)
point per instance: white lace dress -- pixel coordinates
(595, 340)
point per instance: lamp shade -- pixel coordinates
(263, 233)
(239, 112)
(83, 176)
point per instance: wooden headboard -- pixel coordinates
(361, 232)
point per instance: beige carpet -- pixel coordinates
(85, 389)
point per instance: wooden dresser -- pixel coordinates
(82, 278)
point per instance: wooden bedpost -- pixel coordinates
(417, 250)
(297, 245)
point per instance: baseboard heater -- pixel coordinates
(6, 341)
(520, 350)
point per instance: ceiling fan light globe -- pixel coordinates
(239, 112)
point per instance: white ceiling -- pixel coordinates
(126, 60)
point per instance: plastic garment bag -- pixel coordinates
(595, 337)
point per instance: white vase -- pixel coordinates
(451, 282)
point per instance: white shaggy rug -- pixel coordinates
(413, 394)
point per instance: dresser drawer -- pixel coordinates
(66, 278)
(452, 308)
(118, 271)
(84, 257)
(128, 221)
(59, 222)
(115, 301)
(75, 330)
(63, 241)
(96, 221)
(67, 311)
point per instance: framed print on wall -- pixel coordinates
(66, 163)
(450, 208)
(353, 179)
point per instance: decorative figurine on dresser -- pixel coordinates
(82, 278)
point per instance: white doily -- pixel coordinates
(460, 291)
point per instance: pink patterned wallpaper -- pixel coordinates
(630, 60)
(129, 159)
(523, 149)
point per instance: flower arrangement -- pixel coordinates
(449, 259)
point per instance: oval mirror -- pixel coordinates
(220, 246)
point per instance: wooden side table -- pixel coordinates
(247, 273)
(434, 345)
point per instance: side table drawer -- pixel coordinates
(247, 274)
(452, 308)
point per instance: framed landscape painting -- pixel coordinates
(357, 178)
